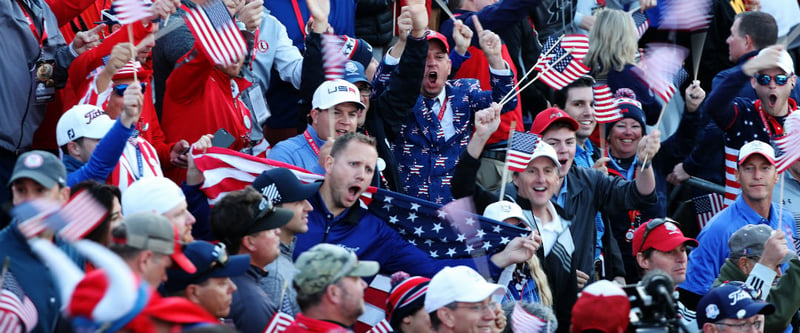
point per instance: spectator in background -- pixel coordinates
(732, 308)
(330, 290)
(247, 223)
(601, 307)
(161, 196)
(149, 244)
(460, 300)
(211, 286)
(284, 190)
(109, 197)
(405, 307)
(757, 253)
(577, 100)
(535, 314)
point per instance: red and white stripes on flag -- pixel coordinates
(131, 11)
(732, 187)
(375, 305)
(605, 106)
(333, 59)
(706, 206)
(75, 219)
(788, 143)
(381, 327)
(219, 37)
(658, 68)
(226, 170)
(522, 321)
(279, 322)
(16, 309)
(692, 15)
(521, 150)
(561, 64)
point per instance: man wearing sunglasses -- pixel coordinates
(757, 253)
(247, 223)
(732, 308)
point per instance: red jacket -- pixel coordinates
(303, 324)
(199, 100)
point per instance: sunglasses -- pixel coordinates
(764, 79)
(119, 89)
(651, 225)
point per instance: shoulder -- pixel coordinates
(288, 145)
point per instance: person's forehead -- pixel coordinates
(542, 162)
(25, 181)
(628, 122)
(772, 71)
(558, 134)
(580, 94)
(356, 150)
(755, 160)
(346, 107)
(435, 46)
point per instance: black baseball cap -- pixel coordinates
(280, 185)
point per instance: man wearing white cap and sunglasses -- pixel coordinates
(336, 105)
(460, 300)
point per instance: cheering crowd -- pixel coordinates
(410, 166)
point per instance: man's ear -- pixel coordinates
(446, 317)
(643, 263)
(73, 149)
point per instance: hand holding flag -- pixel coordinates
(214, 28)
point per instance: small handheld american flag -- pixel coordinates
(219, 37)
(16, 309)
(130, 11)
(72, 221)
(521, 150)
(693, 15)
(562, 64)
(659, 66)
(605, 110)
(333, 59)
(641, 21)
(788, 143)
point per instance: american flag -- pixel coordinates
(130, 11)
(279, 322)
(686, 15)
(641, 22)
(605, 108)
(16, 309)
(732, 187)
(74, 220)
(659, 66)
(382, 326)
(333, 59)
(522, 146)
(562, 63)
(522, 321)
(219, 37)
(226, 170)
(706, 206)
(788, 142)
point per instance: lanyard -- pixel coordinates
(770, 123)
(39, 37)
(299, 17)
(311, 142)
(442, 108)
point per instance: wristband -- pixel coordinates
(645, 165)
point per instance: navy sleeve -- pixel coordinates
(197, 204)
(105, 156)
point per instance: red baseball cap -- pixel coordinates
(435, 35)
(549, 116)
(602, 306)
(664, 235)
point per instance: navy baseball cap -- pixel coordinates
(280, 185)
(211, 261)
(354, 72)
(733, 300)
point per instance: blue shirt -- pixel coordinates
(104, 158)
(705, 261)
(583, 157)
(298, 152)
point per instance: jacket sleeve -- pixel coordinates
(288, 61)
(395, 103)
(786, 298)
(719, 105)
(197, 204)
(614, 194)
(189, 77)
(66, 10)
(678, 145)
(312, 72)
(464, 183)
(105, 156)
(498, 16)
(706, 259)
(710, 138)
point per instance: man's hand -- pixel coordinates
(587, 22)
(132, 102)
(121, 54)
(404, 24)
(487, 121)
(518, 250)
(251, 14)
(648, 146)
(500, 320)
(647, 4)
(775, 249)
(85, 40)
(678, 175)
(178, 152)
(694, 96)
(600, 164)
(193, 174)
(419, 18)
(164, 8)
(234, 6)
(768, 58)
(319, 10)
(462, 36)
(491, 45)
(582, 278)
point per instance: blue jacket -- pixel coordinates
(705, 261)
(251, 309)
(296, 151)
(33, 276)
(372, 239)
(104, 158)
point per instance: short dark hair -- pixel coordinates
(560, 96)
(760, 26)
(342, 141)
(435, 321)
(104, 194)
(232, 214)
(65, 150)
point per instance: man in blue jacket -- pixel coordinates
(338, 219)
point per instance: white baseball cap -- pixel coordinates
(757, 147)
(458, 284)
(151, 194)
(501, 210)
(543, 149)
(785, 62)
(82, 121)
(333, 92)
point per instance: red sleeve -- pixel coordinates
(190, 76)
(66, 10)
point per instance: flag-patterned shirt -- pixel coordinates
(139, 159)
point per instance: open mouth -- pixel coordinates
(562, 161)
(773, 99)
(432, 77)
(353, 192)
(539, 189)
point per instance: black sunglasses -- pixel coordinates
(651, 225)
(764, 79)
(119, 89)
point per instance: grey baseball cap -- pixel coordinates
(749, 241)
(40, 166)
(325, 264)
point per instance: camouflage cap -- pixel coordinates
(325, 264)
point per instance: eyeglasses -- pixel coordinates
(764, 79)
(744, 327)
(119, 89)
(477, 307)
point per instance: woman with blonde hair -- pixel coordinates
(612, 56)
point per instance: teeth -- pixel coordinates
(586, 122)
(627, 140)
(539, 188)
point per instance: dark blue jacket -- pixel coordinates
(627, 79)
(372, 239)
(104, 158)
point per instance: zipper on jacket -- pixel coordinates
(327, 228)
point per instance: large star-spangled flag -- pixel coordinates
(521, 150)
(658, 68)
(17, 311)
(605, 106)
(788, 143)
(562, 60)
(219, 37)
(685, 15)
